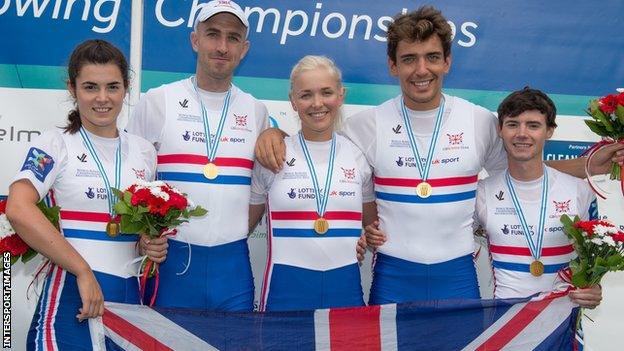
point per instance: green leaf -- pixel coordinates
(619, 112)
(29, 255)
(594, 105)
(127, 197)
(580, 280)
(603, 119)
(614, 260)
(121, 208)
(130, 227)
(197, 212)
(118, 193)
(575, 265)
(596, 127)
(599, 270)
(566, 220)
(14, 259)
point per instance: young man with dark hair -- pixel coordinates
(519, 208)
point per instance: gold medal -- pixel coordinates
(424, 190)
(211, 171)
(321, 226)
(536, 268)
(112, 229)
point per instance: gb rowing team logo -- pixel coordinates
(349, 173)
(139, 173)
(240, 123)
(455, 139)
(562, 206)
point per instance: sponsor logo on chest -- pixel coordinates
(192, 136)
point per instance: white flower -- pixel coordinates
(620, 90)
(176, 190)
(613, 117)
(5, 227)
(190, 203)
(602, 230)
(597, 241)
(156, 183)
(609, 240)
(159, 193)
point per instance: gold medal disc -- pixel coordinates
(536, 268)
(321, 226)
(211, 171)
(424, 190)
(112, 229)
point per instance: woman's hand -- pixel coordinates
(155, 249)
(90, 295)
(360, 248)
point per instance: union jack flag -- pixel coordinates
(544, 322)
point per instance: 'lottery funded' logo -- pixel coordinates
(302, 193)
(410, 161)
(96, 193)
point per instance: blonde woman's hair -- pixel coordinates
(312, 62)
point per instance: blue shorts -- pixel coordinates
(298, 289)
(396, 280)
(54, 324)
(219, 277)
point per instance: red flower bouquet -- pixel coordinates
(600, 249)
(607, 121)
(153, 209)
(11, 242)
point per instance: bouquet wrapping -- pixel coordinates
(154, 209)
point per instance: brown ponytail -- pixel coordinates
(73, 122)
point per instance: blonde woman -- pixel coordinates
(315, 203)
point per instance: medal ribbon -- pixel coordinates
(211, 148)
(321, 200)
(112, 199)
(534, 246)
(423, 168)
